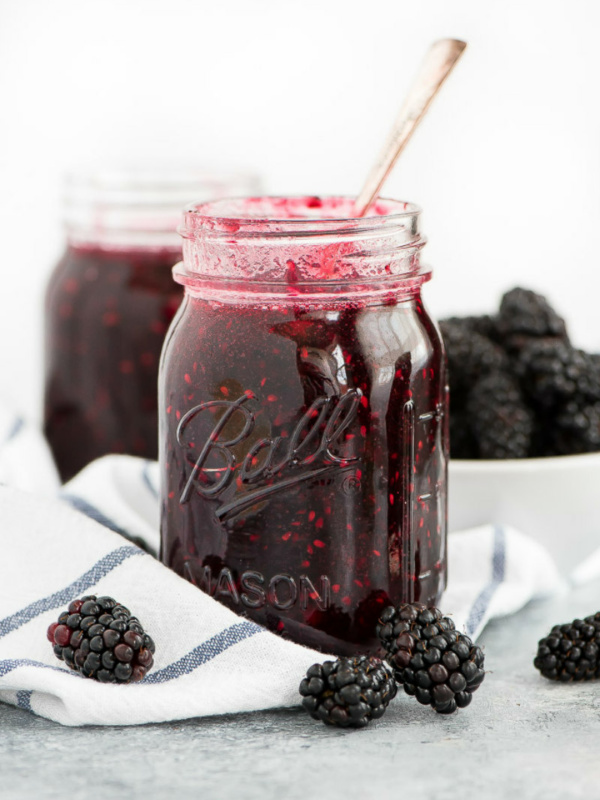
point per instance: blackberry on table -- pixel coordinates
(501, 422)
(525, 314)
(349, 692)
(571, 652)
(553, 372)
(432, 661)
(99, 638)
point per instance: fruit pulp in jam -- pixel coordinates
(304, 458)
(107, 312)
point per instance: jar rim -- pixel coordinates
(212, 217)
(294, 242)
(139, 204)
(145, 176)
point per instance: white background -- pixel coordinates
(506, 166)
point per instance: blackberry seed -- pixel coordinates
(90, 608)
(62, 635)
(123, 672)
(111, 638)
(124, 653)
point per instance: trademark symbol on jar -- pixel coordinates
(351, 484)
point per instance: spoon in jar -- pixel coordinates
(438, 64)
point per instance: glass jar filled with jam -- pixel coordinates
(303, 417)
(109, 303)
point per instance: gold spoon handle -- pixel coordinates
(436, 67)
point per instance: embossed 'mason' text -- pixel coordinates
(254, 590)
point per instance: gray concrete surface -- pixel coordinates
(522, 737)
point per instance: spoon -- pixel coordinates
(438, 64)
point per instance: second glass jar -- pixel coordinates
(303, 400)
(109, 304)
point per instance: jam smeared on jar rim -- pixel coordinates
(303, 440)
(299, 246)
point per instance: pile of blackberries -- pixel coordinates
(518, 387)
(431, 660)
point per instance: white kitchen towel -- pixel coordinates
(25, 458)
(208, 660)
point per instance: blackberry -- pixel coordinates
(576, 429)
(470, 355)
(99, 638)
(483, 324)
(571, 652)
(431, 660)
(462, 440)
(524, 315)
(501, 422)
(415, 619)
(349, 692)
(553, 372)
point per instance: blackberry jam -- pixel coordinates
(109, 304)
(302, 402)
(107, 315)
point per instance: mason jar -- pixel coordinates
(303, 417)
(108, 306)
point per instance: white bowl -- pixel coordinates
(554, 500)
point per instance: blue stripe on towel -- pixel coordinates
(89, 578)
(94, 513)
(200, 655)
(24, 699)
(481, 604)
(147, 480)
(9, 664)
(14, 430)
(205, 652)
